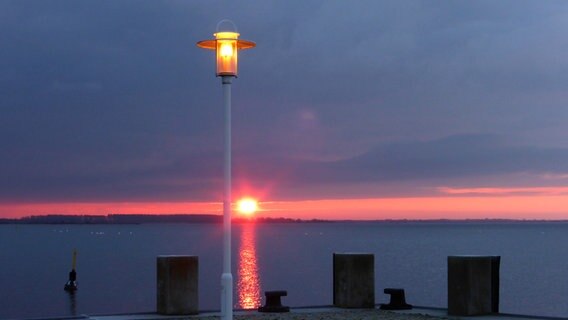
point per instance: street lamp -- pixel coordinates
(226, 45)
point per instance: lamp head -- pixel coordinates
(226, 45)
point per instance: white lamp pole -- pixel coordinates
(226, 45)
(227, 277)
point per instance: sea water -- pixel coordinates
(116, 264)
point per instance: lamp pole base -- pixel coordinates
(226, 296)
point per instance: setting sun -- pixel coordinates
(247, 206)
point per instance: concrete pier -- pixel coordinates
(354, 280)
(473, 285)
(177, 285)
(319, 313)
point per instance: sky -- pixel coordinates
(344, 110)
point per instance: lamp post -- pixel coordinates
(226, 45)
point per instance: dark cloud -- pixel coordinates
(455, 157)
(464, 160)
(112, 100)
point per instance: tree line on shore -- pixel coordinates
(213, 218)
(140, 218)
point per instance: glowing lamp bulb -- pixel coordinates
(226, 50)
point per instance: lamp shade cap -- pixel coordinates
(212, 44)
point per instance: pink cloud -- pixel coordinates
(495, 191)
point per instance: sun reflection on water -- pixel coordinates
(249, 282)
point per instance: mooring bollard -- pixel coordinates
(177, 285)
(354, 280)
(273, 302)
(473, 285)
(397, 300)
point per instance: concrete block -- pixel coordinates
(354, 280)
(177, 285)
(473, 285)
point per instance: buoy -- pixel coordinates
(71, 285)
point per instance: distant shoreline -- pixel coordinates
(211, 218)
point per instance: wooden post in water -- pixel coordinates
(71, 284)
(177, 285)
(354, 280)
(473, 285)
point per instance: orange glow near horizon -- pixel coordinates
(475, 203)
(442, 207)
(248, 284)
(14, 210)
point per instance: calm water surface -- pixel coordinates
(116, 265)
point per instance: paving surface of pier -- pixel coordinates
(321, 313)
